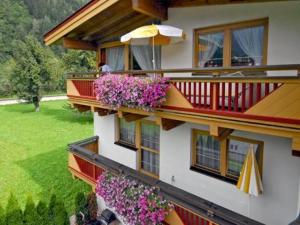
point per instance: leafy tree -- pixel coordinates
(6, 70)
(79, 61)
(30, 215)
(43, 216)
(2, 216)
(31, 73)
(13, 212)
(80, 207)
(92, 206)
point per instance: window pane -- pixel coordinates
(237, 151)
(127, 131)
(150, 162)
(247, 46)
(150, 135)
(208, 152)
(211, 50)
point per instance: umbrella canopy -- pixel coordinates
(154, 34)
(250, 179)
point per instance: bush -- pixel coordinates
(52, 204)
(61, 215)
(92, 206)
(80, 207)
(42, 213)
(13, 212)
(30, 215)
(2, 216)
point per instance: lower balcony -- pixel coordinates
(255, 103)
(86, 164)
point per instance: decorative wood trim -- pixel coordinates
(219, 133)
(151, 8)
(170, 124)
(77, 44)
(111, 44)
(103, 112)
(130, 117)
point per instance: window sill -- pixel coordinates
(214, 175)
(125, 145)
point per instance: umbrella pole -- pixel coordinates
(153, 55)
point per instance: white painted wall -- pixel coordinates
(104, 128)
(284, 29)
(281, 171)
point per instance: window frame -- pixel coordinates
(227, 30)
(120, 142)
(224, 151)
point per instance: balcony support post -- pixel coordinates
(219, 133)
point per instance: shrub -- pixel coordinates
(30, 215)
(92, 206)
(80, 207)
(13, 212)
(60, 214)
(43, 215)
(2, 216)
(52, 204)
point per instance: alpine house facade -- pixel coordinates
(233, 85)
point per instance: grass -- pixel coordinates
(33, 156)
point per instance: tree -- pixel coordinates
(60, 214)
(31, 73)
(80, 207)
(13, 212)
(52, 204)
(30, 215)
(92, 206)
(43, 216)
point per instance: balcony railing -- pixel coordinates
(86, 164)
(239, 92)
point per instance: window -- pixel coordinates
(223, 159)
(239, 44)
(149, 148)
(126, 132)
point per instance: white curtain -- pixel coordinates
(143, 56)
(115, 58)
(251, 42)
(211, 43)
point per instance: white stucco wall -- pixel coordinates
(281, 172)
(284, 29)
(104, 128)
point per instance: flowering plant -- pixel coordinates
(135, 203)
(134, 92)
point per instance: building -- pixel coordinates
(194, 146)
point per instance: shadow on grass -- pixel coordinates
(49, 171)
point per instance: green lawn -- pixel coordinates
(33, 156)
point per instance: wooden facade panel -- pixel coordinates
(284, 103)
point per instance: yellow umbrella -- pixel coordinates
(250, 179)
(155, 35)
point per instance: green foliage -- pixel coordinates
(42, 212)
(79, 61)
(6, 71)
(13, 212)
(80, 207)
(2, 216)
(51, 207)
(92, 206)
(60, 214)
(30, 216)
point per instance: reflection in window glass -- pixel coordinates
(150, 162)
(150, 135)
(127, 132)
(247, 46)
(237, 151)
(211, 50)
(208, 152)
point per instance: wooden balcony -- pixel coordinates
(244, 98)
(86, 164)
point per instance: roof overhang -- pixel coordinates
(102, 21)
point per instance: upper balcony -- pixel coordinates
(252, 99)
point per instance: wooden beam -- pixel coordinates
(296, 146)
(77, 44)
(219, 133)
(168, 124)
(82, 108)
(130, 117)
(152, 8)
(103, 112)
